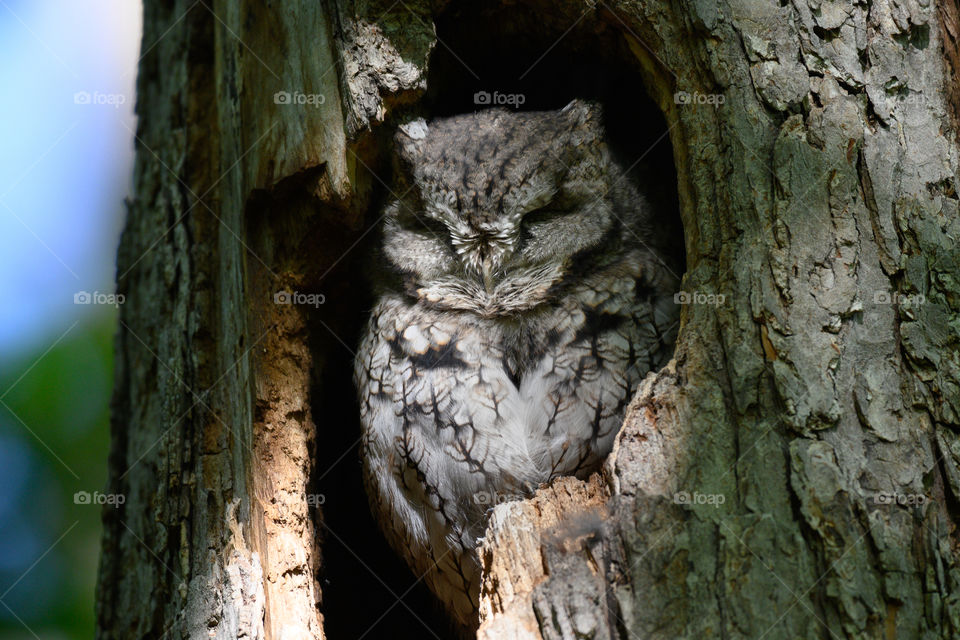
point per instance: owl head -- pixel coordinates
(497, 212)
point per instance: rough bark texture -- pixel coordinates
(795, 470)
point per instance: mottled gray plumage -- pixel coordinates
(521, 300)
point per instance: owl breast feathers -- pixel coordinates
(521, 297)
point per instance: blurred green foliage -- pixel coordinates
(54, 441)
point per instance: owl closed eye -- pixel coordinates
(508, 201)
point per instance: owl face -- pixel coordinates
(498, 210)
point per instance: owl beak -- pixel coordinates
(488, 275)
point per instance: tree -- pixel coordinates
(793, 472)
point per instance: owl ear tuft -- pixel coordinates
(583, 112)
(409, 138)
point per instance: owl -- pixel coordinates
(522, 293)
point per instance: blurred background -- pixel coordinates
(66, 134)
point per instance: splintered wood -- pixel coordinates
(538, 540)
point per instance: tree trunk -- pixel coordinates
(793, 472)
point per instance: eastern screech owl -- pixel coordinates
(522, 296)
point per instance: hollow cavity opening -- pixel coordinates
(526, 58)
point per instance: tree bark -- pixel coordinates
(793, 472)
